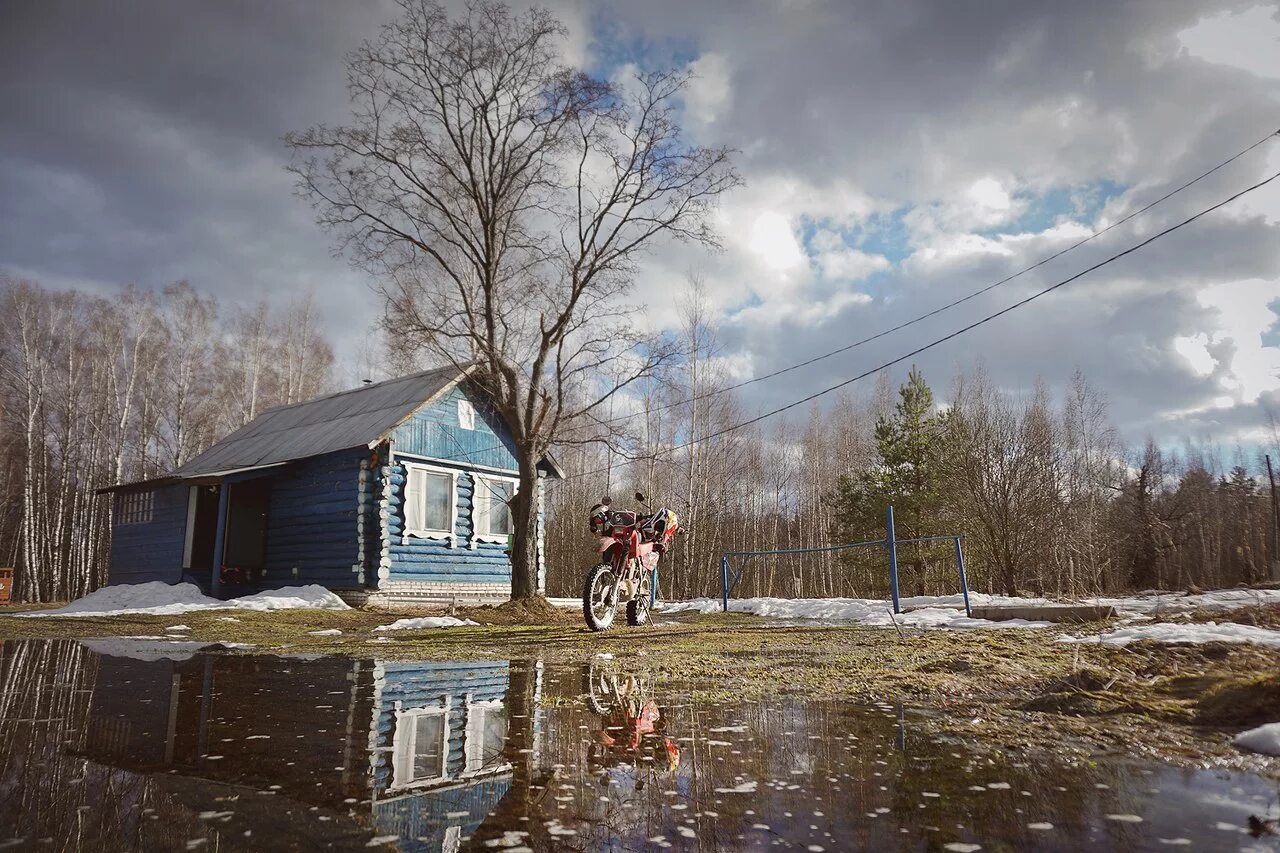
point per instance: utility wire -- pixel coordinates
(962, 299)
(936, 311)
(957, 332)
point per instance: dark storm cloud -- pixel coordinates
(142, 143)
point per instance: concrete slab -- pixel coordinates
(1047, 612)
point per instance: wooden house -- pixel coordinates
(397, 490)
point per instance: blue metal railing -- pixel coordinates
(890, 543)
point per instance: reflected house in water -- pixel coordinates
(440, 757)
(418, 750)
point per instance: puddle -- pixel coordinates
(208, 751)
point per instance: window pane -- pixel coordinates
(428, 747)
(495, 731)
(499, 516)
(437, 501)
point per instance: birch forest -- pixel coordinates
(97, 390)
(1048, 498)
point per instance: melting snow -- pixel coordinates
(1179, 633)
(425, 622)
(946, 611)
(933, 611)
(327, 632)
(162, 599)
(1264, 739)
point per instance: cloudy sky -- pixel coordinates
(897, 155)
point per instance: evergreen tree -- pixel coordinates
(909, 444)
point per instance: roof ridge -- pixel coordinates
(358, 389)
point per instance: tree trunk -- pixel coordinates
(524, 522)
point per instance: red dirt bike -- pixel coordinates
(630, 547)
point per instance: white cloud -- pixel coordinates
(839, 262)
(1194, 348)
(774, 240)
(1245, 316)
(1249, 40)
(710, 89)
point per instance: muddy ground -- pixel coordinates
(1015, 690)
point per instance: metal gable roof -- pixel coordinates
(337, 422)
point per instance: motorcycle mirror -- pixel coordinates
(606, 500)
(640, 497)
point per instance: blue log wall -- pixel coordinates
(435, 432)
(151, 550)
(435, 436)
(424, 560)
(312, 523)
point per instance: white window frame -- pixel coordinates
(450, 535)
(481, 491)
(466, 415)
(473, 740)
(404, 745)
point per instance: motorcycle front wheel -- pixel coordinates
(599, 604)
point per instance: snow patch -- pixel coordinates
(1179, 633)
(425, 622)
(1263, 739)
(163, 599)
(327, 632)
(926, 611)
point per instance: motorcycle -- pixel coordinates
(630, 546)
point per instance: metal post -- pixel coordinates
(724, 582)
(893, 561)
(964, 580)
(653, 588)
(1275, 523)
(220, 538)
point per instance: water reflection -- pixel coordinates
(184, 750)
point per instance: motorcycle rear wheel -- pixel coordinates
(638, 610)
(599, 606)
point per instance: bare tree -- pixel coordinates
(506, 200)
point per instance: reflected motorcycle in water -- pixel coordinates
(630, 546)
(632, 721)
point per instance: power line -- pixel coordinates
(963, 299)
(959, 331)
(936, 311)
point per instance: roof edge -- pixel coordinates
(463, 373)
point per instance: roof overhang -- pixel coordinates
(193, 479)
(553, 467)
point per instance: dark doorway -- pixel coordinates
(204, 529)
(244, 553)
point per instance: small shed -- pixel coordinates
(397, 490)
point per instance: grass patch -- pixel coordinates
(1241, 701)
(1015, 687)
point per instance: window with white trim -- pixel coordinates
(430, 502)
(420, 748)
(486, 735)
(491, 507)
(134, 507)
(466, 414)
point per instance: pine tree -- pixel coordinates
(909, 444)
